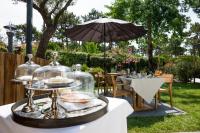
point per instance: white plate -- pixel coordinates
(58, 82)
(74, 97)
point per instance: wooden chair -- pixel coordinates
(168, 79)
(158, 73)
(100, 81)
(118, 90)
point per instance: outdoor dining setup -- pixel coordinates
(142, 88)
(144, 91)
(77, 101)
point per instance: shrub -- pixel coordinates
(85, 68)
(96, 69)
(3, 47)
(90, 47)
(96, 61)
(69, 59)
(160, 61)
(169, 67)
(187, 67)
(54, 46)
(141, 65)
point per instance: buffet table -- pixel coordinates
(114, 121)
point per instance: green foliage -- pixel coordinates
(194, 4)
(193, 39)
(174, 46)
(187, 67)
(3, 47)
(96, 69)
(69, 59)
(97, 61)
(55, 46)
(85, 68)
(21, 33)
(51, 11)
(158, 16)
(185, 97)
(90, 47)
(160, 60)
(67, 20)
(93, 14)
(141, 65)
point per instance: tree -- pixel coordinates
(51, 11)
(193, 39)
(93, 14)
(66, 20)
(194, 4)
(21, 33)
(174, 47)
(158, 16)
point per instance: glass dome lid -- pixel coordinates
(25, 71)
(82, 93)
(51, 76)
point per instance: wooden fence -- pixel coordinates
(10, 91)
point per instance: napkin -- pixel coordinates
(80, 106)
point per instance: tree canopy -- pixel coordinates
(158, 16)
(21, 33)
(67, 20)
(93, 14)
(51, 11)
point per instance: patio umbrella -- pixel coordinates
(105, 30)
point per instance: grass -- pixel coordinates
(186, 96)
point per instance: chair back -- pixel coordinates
(109, 79)
(158, 73)
(168, 78)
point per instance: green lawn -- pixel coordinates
(186, 97)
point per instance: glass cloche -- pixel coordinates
(24, 72)
(52, 76)
(83, 92)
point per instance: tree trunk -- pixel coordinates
(150, 45)
(46, 36)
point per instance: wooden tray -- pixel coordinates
(56, 123)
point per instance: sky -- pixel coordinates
(16, 13)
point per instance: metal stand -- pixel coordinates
(54, 112)
(30, 106)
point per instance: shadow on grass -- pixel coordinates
(138, 122)
(184, 93)
(186, 86)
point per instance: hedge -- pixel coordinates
(69, 59)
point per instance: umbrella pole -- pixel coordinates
(104, 63)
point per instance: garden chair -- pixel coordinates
(158, 73)
(118, 88)
(100, 81)
(168, 79)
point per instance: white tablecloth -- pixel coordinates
(146, 87)
(114, 121)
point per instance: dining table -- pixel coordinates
(144, 91)
(114, 121)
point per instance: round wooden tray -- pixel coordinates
(56, 123)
